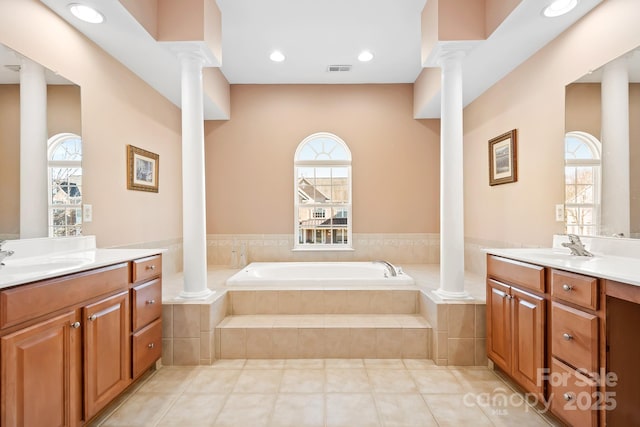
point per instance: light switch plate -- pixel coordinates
(87, 213)
(560, 213)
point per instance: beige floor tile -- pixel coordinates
(347, 381)
(228, 364)
(513, 411)
(351, 410)
(419, 363)
(259, 343)
(264, 364)
(404, 410)
(251, 410)
(391, 381)
(438, 381)
(337, 341)
(298, 410)
(304, 364)
(169, 379)
(216, 381)
(453, 410)
(258, 381)
(193, 410)
(343, 363)
(384, 363)
(479, 379)
(141, 409)
(302, 381)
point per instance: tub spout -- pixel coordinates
(392, 269)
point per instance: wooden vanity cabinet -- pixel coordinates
(65, 345)
(516, 315)
(575, 331)
(146, 296)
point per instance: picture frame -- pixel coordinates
(142, 169)
(503, 159)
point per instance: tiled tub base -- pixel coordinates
(314, 336)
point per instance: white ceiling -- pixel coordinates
(314, 34)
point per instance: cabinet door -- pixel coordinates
(107, 362)
(499, 324)
(41, 374)
(528, 340)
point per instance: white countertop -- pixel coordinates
(31, 262)
(618, 268)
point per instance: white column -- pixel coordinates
(33, 151)
(451, 184)
(615, 149)
(193, 183)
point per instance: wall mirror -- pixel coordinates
(63, 172)
(602, 150)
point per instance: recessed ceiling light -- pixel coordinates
(559, 7)
(276, 56)
(86, 13)
(365, 56)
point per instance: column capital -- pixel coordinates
(444, 52)
(193, 50)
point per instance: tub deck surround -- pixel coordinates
(318, 275)
(455, 330)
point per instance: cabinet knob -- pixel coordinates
(151, 267)
(567, 396)
(75, 325)
(567, 288)
(151, 345)
(567, 337)
(151, 301)
(93, 317)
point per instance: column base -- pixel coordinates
(200, 295)
(448, 295)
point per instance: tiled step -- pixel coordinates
(382, 336)
(324, 301)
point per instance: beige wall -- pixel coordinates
(117, 109)
(249, 159)
(634, 156)
(582, 108)
(531, 99)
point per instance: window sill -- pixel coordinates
(322, 249)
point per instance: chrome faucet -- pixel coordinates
(576, 246)
(4, 254)
(392, 269)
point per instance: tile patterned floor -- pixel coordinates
(322, 393)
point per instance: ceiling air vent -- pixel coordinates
(338, 68)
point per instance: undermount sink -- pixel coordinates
(28, 266)
(554, 254)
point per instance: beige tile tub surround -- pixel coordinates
(405, 248)
(322, 393)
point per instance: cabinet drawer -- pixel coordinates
(28, 302)
(147, 303)
(146, 268)
(575, 288)
(573, 396)
(574, 337)
(147, 347)
(515, 272)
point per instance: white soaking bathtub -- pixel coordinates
(318, 274)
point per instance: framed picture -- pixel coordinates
(142, 169)
(503, 161)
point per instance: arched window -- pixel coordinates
(65, 185)
(582, 163)
(322, 166)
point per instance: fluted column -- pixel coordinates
(615, 148)
(193, 178)
(451, 183)
(34, 204)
